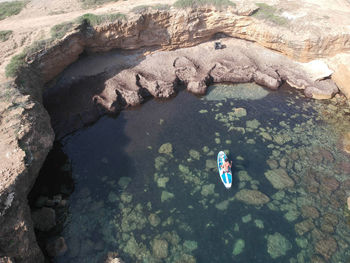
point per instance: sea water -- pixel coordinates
(146, 183)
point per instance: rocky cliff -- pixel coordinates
(25, 124)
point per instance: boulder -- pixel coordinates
(44, 219)
(238, 247)
(154, 219)
(304, 227)
(326, 247)
(277, 245)
(166, 148)
(309, 212)
(252, 197)
(113, 257)
(279, 178)
(160, 248)
(56, 247)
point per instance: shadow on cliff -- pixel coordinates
(98, 150)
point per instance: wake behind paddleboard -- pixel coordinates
(226, 178)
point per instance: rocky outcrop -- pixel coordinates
(173, 29)
(160, 74)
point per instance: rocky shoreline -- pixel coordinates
(161, 74)
(25, 124)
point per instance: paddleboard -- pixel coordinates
(226, 178)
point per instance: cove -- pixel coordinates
(146, 183)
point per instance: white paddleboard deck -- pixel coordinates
(226, 177)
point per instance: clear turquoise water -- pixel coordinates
(172, 207)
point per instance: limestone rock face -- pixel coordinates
(25, 142)
(341, 67)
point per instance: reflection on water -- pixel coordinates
(147, 186)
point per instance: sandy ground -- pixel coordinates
(36, 19)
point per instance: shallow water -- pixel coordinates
(147, 186)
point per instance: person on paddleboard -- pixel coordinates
(226, 165)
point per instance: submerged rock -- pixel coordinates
(166, 196)
(301, 242)
(304, 227)
(247, 218)
(44, 219)
(326, 247)
(243, 176)
(239, 112)
(113, 257)
(190, 245)
(161, 182)
(154, 220)
(252, 197)
(210, 164)
(124, 181)
(166, 148)
(126, 197)
(266, 136)
(184, 169)
(259, 223)
(160, 248)
(222, 205)
(159, 162)
(208, 189)
(195, 154)
(112, 197)
(56, 247)
(279, 178)
(238, 247)
(308, 211)
(205, 149)
(252, 124)
(277, 245)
